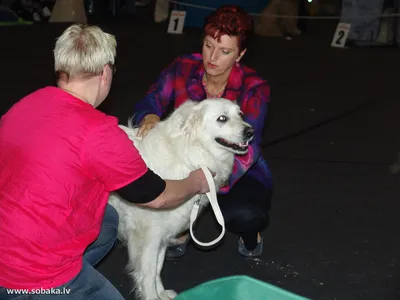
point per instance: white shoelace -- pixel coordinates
(212, 198)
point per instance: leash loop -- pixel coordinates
(212, 198)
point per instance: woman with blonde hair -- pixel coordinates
(60, 158)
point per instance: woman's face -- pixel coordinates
(219, 57)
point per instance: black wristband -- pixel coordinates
(144, 189)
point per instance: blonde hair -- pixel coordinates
(83, 50)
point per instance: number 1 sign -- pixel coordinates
(176, 21)
(340, 37)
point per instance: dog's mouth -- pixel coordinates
(239, 147)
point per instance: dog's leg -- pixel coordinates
(160, 264)
(142, 266)
(133, 268)
(164, 294)
(147, 274)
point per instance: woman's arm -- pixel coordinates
(159, 96)
(151, 191)
(255, 106)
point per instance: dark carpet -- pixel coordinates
(330, 136)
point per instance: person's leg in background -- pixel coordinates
(245, 209)
(89, 284)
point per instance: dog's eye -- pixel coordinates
(241, 114)
(222, 119)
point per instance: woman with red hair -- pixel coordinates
(217, 72)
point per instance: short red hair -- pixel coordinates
(229, 20)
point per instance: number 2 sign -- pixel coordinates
(341, 34)
(176, 21)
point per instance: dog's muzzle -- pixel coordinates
(248, 133)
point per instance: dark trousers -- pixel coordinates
(245, 209)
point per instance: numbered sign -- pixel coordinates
(341, 33)
(176, 21)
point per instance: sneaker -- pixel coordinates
(176, 251)
(253, 253)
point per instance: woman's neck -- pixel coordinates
(80, 90)
(216, 81)
(215, 85)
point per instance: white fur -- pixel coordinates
(172, 149)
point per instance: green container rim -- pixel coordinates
(247, 278)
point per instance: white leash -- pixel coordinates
(212, 197)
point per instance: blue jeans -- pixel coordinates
(89, 284)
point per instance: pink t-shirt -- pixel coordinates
(59, 160)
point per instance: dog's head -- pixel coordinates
(218, 121)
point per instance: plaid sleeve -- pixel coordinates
(159, 96)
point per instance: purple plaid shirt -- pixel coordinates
(182, 80)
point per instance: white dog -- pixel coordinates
(206, 133)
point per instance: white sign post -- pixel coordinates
(176, 21)
(340, 36)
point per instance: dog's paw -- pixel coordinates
(168, 295)
(171, 294)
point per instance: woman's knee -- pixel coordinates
(110, 222)
(245, 208)
(109, 229)
(247, 218)
(111, 217)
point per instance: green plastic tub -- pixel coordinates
(237, 288)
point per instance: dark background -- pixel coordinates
(331, 133)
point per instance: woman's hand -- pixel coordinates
(200, 180)
(148, 122)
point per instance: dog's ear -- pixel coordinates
(183, 118)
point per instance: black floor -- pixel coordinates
(331, 133)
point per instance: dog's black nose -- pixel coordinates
(248, 132)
